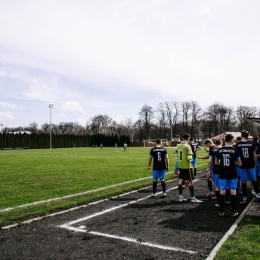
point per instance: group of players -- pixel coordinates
(235, 162)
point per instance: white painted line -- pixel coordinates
(74, 195)
(229, 232)
(131, 240)
(143, 242)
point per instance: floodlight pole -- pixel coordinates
(50, 106)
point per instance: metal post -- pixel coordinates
(50, 106)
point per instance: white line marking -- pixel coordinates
(69, 226)
(74, 195)
(229, 232)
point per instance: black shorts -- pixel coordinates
(186, 174)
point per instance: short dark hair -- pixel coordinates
(239, 138)
(186, 136)
(245, 134)
(229, 138)
(158, 141)
(218, 141)
(208, 141)
(191, 139)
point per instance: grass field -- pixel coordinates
(37, 182)
(32, 176)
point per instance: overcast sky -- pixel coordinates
(110, 57)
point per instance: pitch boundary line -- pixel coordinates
(68, 226)
(76, 194)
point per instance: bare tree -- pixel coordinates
(195, 118)
(100, 124)
(147, 114)
(186, 113)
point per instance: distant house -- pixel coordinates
(222, 136)
(20, 132)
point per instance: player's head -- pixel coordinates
(255, 139)
(191, 139)
(244, 134)
(218, 142)
(176, 137)
(229, 138)
(186, 136)
(239, 138)
(208, 142)
(158, 141)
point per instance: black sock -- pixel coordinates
(210, 185)
(195, 171)
(163, 186)
(227, 194)
(233, 203)
(154, 186)
(217, 195)
(244, 189)
(221, 202)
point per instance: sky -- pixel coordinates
(112, 57)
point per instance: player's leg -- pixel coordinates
(155, 177)
(223, 186)
(162, 176)
(209, 182)
(181, 178)
(244, 179)
(233, 200)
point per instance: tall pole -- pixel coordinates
(50, 106)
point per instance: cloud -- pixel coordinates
(72, 106)
(5, 104)
(6, 115)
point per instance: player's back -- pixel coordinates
(246, 151)
(183, 151)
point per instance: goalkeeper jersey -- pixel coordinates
(184, 150)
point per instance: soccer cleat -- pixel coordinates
(253, 192)
(164, 195)
(153, 195)
(185, 184)
(196, 200)
(217, 205)
(227, 202)
(214, 198)
(221, 214)
(182, 199)
(234, 214)
(210, 194)
(243, 202)
(258, 196)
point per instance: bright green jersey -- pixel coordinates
(184, 156)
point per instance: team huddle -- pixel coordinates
(229, 165)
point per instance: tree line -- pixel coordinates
(42, 140)
(164, 121)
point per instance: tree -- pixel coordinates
(146, 115)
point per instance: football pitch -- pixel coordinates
(38, 182)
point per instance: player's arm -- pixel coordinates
(167, 162)
(255, 158)
(239, 162)
(149, 162)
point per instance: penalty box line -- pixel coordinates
(69, 226)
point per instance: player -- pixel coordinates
(160, 159)
(247, 170)
(258, 161)
(101, 146)
(125, 147)
(209, 146)
(184, 163)
(194, 147)
(227, 157)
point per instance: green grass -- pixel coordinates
(28, 176)
(244, 243)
